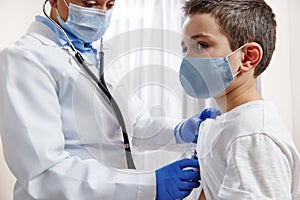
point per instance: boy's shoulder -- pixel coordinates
(254, 117)
(257, 117)
(249, 119)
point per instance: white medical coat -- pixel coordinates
(60, 138)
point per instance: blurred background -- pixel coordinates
(278, 84)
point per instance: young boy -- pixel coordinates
(246, 153)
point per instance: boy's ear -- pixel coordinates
(53, 3)
(253, 53)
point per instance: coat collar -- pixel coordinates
(43, 29)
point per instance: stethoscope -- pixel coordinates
(101, 84)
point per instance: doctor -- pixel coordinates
(60, 135)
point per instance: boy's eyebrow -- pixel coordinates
(200, 35)
(194, 37)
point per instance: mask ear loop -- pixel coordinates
(57, 13)
(66, 3)
(238, 72)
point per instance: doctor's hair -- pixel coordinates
(241, 21)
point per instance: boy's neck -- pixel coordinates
(238, 96)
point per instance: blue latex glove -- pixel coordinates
(175, 182)
(187, 131)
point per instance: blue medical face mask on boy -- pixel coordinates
(206, 77)
(87, 24)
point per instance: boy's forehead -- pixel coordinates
(201, 24)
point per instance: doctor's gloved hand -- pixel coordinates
(187, 131)
(175, 182)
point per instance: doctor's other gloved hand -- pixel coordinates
(175, 182)
(187, 131)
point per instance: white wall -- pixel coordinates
(276, 81)
(280, 83)
(15, 18)
(6, 179)
(294, 31)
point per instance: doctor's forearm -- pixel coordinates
(74, 179)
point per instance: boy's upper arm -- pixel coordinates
(256, 169)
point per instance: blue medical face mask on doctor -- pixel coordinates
(87, 24)
(206, 77)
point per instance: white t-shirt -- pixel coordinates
(247, 153)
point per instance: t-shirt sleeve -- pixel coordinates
(256, 169)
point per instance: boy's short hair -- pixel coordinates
(241, 21)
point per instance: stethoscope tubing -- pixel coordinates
(101, 84)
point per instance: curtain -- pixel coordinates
(143, 51)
